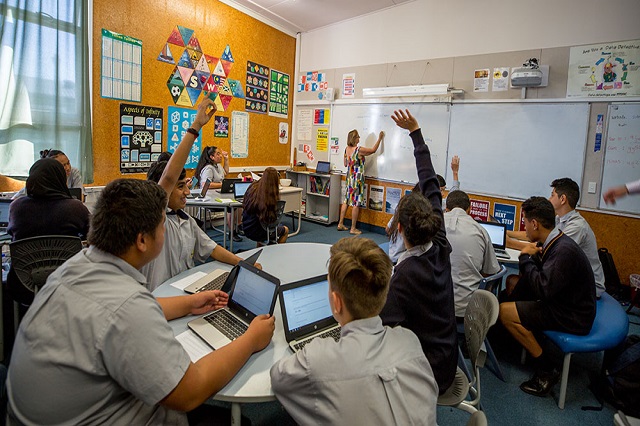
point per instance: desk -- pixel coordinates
(226, 203)
(513, 259)
(289, 262)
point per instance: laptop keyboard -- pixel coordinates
(216, 284)
(334, 333)
(228, 325)
(501, 251)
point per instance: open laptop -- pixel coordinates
(498, 235)
(253, 293)
(306, 312)
(220, 279)
(203, 191)
(239, 189)
(323, 167)
(228, 184)
(76, 193)
(4, 214)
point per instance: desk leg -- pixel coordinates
(236, 415)
(232, 223)
(299, 216)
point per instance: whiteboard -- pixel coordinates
(394, 159)
(622, 154)
(516, 150)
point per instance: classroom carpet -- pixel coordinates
(503, 402)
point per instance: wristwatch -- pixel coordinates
(193, 131)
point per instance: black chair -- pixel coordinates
(273, 226)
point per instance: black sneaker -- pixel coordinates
(237, 238)
(541, 383)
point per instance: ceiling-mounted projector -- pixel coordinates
(528, 75)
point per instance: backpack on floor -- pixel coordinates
(611, 278)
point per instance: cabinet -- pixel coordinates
(320, 195)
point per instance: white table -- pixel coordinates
(513, 259)
(289, 262)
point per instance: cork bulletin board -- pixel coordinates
(217, 26)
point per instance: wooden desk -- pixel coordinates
(285, 261)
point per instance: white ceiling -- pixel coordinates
(297, 16)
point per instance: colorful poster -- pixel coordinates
(140, 137)
(500, 79)
(279, 94)
(393, 198)
(221, 126)
(321, 116)
(506, 214)
(239, 134)
(521, 228)
(121, 67)
(283, 133)
(376, 198)
(603, 70)
(196, 72)
(481, 80)
(335, 146)
(348, 85)
(322, 140)
(257, 93)
(479, 210)
(313, 81)
(180, 120)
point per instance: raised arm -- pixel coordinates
(225, 166)
(368, 151)
(455, 168)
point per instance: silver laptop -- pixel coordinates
(306, 312)
(219, 279)
(498, 235)
(239, 189)
(4, 214)
(253, 293)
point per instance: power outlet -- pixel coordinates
(592, 188)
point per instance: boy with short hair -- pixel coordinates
(373, 374)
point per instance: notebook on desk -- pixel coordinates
(228, 185)
(239, 189)
(219, 279)
(498, 235)
(306, 312)
(253, 293)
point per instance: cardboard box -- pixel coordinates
(299, 168)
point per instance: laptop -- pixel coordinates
(203, 191)
(323, 167)
(76, 193)
(219, 279)
(253, 293)
(306, 312)
(228, 184)
(239, 189)
(4, 214)
(498, 235)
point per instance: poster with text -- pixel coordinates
(239, 134)
(180, 120)
(481, 80)
(506, 214)
(322, 139)
(140, 137)
(479, 210)
(500, 79)
(321, 116)
(604, 70)
(305, 124)
(376, 198)
(221, 127)
(521, 228)
(279, 94)
(121, 67)
(335, 146)
(348, 85)
(393, 198)
(257, 93)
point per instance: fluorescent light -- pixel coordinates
(423, 90)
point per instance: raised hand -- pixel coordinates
(405, 120)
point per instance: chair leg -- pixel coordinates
(463, 365)
(523, 356)
(564, 380)
(494, 361)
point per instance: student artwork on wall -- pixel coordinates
(313, 81)
(140, 137)
(506, 214)
(279, 94)
(479, 210)
(283, 133)
(121, 67)
(393, 198)
(603, 70)
(179, 121)
(221, 127)
(196, 72)
(257, 93)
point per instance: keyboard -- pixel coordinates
(334, 333)
(216, 284)
(228, 325)
(501, 251)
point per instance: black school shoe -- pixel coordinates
(237, 238)
(541, 383)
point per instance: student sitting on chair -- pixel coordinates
(185, 242)
(564, 197)
(421, 291)
(209, 166)
(472, 255)
(96, 343)
(556, 291)
(373, 374)
(260, 202)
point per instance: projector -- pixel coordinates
(528, 75)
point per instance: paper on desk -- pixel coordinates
(183, 283)
(194, 346)
(255, 176)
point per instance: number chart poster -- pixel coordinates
(121, 67)
(140, 137)
(279, 94)
(257, 94)
(180, 120)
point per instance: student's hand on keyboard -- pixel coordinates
(205, 301)
(260, 331)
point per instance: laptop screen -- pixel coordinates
(497, 233)
(254, 292)
(306, 305)
(240, 188)
(323, 167)
(4, 212)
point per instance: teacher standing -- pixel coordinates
(354, 157)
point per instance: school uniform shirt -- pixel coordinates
(575, 226)
(633, 187)
(215, 172)
(372, 375)
(184, 244)
(95, 348)
(472, 256)
(74, 180)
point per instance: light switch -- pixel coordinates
(592, 187)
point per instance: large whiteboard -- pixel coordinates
(394, 159)
(516, 150)
(622, 154)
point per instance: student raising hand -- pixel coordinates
(206, 109)
(405, 120)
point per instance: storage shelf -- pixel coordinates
(325, 207)
(315, 194)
